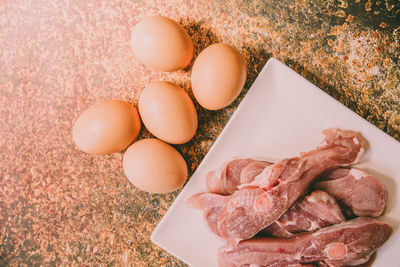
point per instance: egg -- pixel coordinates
(162, 44)
(154, 166)
(168, 112)
(218, 76)
(106, 127)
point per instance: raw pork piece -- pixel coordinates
(234, 173)
(226, 180)
(289, 265)
(252, 170)
(346, 244)
(261, 202)
(368, 263)
(315, 211)
(364, 194)
(211, 204)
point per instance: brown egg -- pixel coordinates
(154, 166)
(168, 112)
(162, 44)
(106, 127)
(218, 76)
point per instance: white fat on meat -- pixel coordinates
(319, 196)
(357, 174)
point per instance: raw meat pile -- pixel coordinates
(301, 211)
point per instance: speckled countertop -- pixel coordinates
(62, 207)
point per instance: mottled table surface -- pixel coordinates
(62, 207)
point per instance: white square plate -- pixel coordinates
(281, 115)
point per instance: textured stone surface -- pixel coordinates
(61, 207)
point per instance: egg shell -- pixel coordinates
(154, 166)
(168, 112)
(106, 127)
(218, 76)
(162, 44)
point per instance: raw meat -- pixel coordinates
(252, 170)
(289, 265)
(365, 264)
(226, 180)
(346, 244)
(261, 202)
(315, 211)
(211, 204)
(234, 173)
(364, 194)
